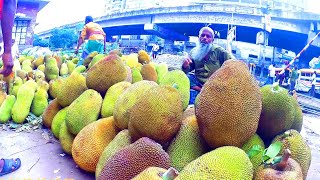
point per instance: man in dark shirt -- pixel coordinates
(205, 59)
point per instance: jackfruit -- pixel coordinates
(80, 69)
(71, 66)
(58, 119)
(38, 61)
(156, 115)
(121, 140)
(133, 159)
(300, 151)
(58, 60)
(64, 69)
(40, 100)
(26, 66)
(21, 107)
(226, 162)
(229, 106)
(298, 116)
(39, 75)
(111, 97)
(83, 110)
(71, 88)
(136, 75)
(3, 91)
(51, 69)
(89, 58)
(16, 65)
(96, 59)
(154, 173)
(127, 99)
(181, 82)
(90, 142)
(187, 145)
(115, 52)
(132, 60)
(52, 109)
(17, 83)
(277, 113)
(161, 69)
(255, 159)
(42, 67)
(54, 86)
(149, 73)
(143, 57)
(6, 107)
(106, 73)
(66, 138)
(22, 74)
(75, 60)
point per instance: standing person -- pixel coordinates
(294, 75)
(313, 87)
(272, 73)
(155, 49)
(96, 39)
(14, 49)
(205, 59)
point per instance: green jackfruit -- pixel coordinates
(40, 100)
(136, 75)
(80, 69)
(64, 69)
(179, 80)
(66, 138)
(188, 145)
(6, 107)
(39, 75)
(154, 173)
(96, 59)
(83, 110)
(89, 58)
(111, 97)
(54, 86)
(58, 119)
(21, 107)
(226, 162)
(256, 160)
(127, 99)
(51, 70)
(42, 67)
(71, 66)
(161, 69)
(121, 140)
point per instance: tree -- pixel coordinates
(37, 41)
(63, 38)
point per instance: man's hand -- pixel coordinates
(76, 51)
(186, 62)
(7, 64)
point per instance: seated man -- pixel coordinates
(205, 59)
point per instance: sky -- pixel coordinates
(61, 12)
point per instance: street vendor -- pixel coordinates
(96, 37)
(205, 59)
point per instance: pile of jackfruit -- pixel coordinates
(125, 117)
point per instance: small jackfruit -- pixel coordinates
(58, 119)
(52, 109)
(40, 100)
(143, 57)
(66, 138)
(6, 107)
(149, 73)
(51, 69)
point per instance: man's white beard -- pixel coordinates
(200, 51)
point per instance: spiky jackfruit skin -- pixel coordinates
(121, 140)
(298, 116)
(149, 73)
(179, 80)
(136, 75)
(132, 60)
(128, 99)
(80, 69)
(52, 109)
(6, 108)
(40, 100)
(277, 113)
(188, 145)
(143, 57)
(39, 76)
(96, 59)
(111, 97)
(17, 83)
(83, 111)
(300, 151)
(156, 115)
(257, 159)
(54, 86)
(106, 73)
(71, 66)
(133, 159)
(38, 61)
(71, 88)
(161, 69)
(51, 69)
(64, 69)
(226, 162)
(66, 138)
(153, 173)
(89, 58)
(42, 67)
(58, 119)
(229, 106)
(129, 74)
(89, 144)
(21, 107)
(291, 172)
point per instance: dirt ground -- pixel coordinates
(43, 159)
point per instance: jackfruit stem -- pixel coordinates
(286, 134)
(275, 86)
(170, 174)
(284, 160)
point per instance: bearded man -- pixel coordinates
(205, 59)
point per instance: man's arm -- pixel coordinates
(7, 21)
(81, 38)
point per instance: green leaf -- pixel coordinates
(255, 150)
(277, 160)
(273, 150)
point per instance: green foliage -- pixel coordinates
(63, 37)
(270, 154)
(37, 41)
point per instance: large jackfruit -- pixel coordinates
(52, 109)
(58, 119)
(71, 88)
(66, 138)
(51, 70)
(226, 162)
(83, 111)
(188, 145)
(156, 115)
(277, 113)
(133, 159)
(229, 106)
(127, 99)
(106, 73)
(89, 144)
(149, 73)
(300, 151)
(40, 100)
(21, 107)
(121, 140)
(179, 80)
(154, 173)
(54, 86)
(111, 97)
(6, 108)
(256, 159)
